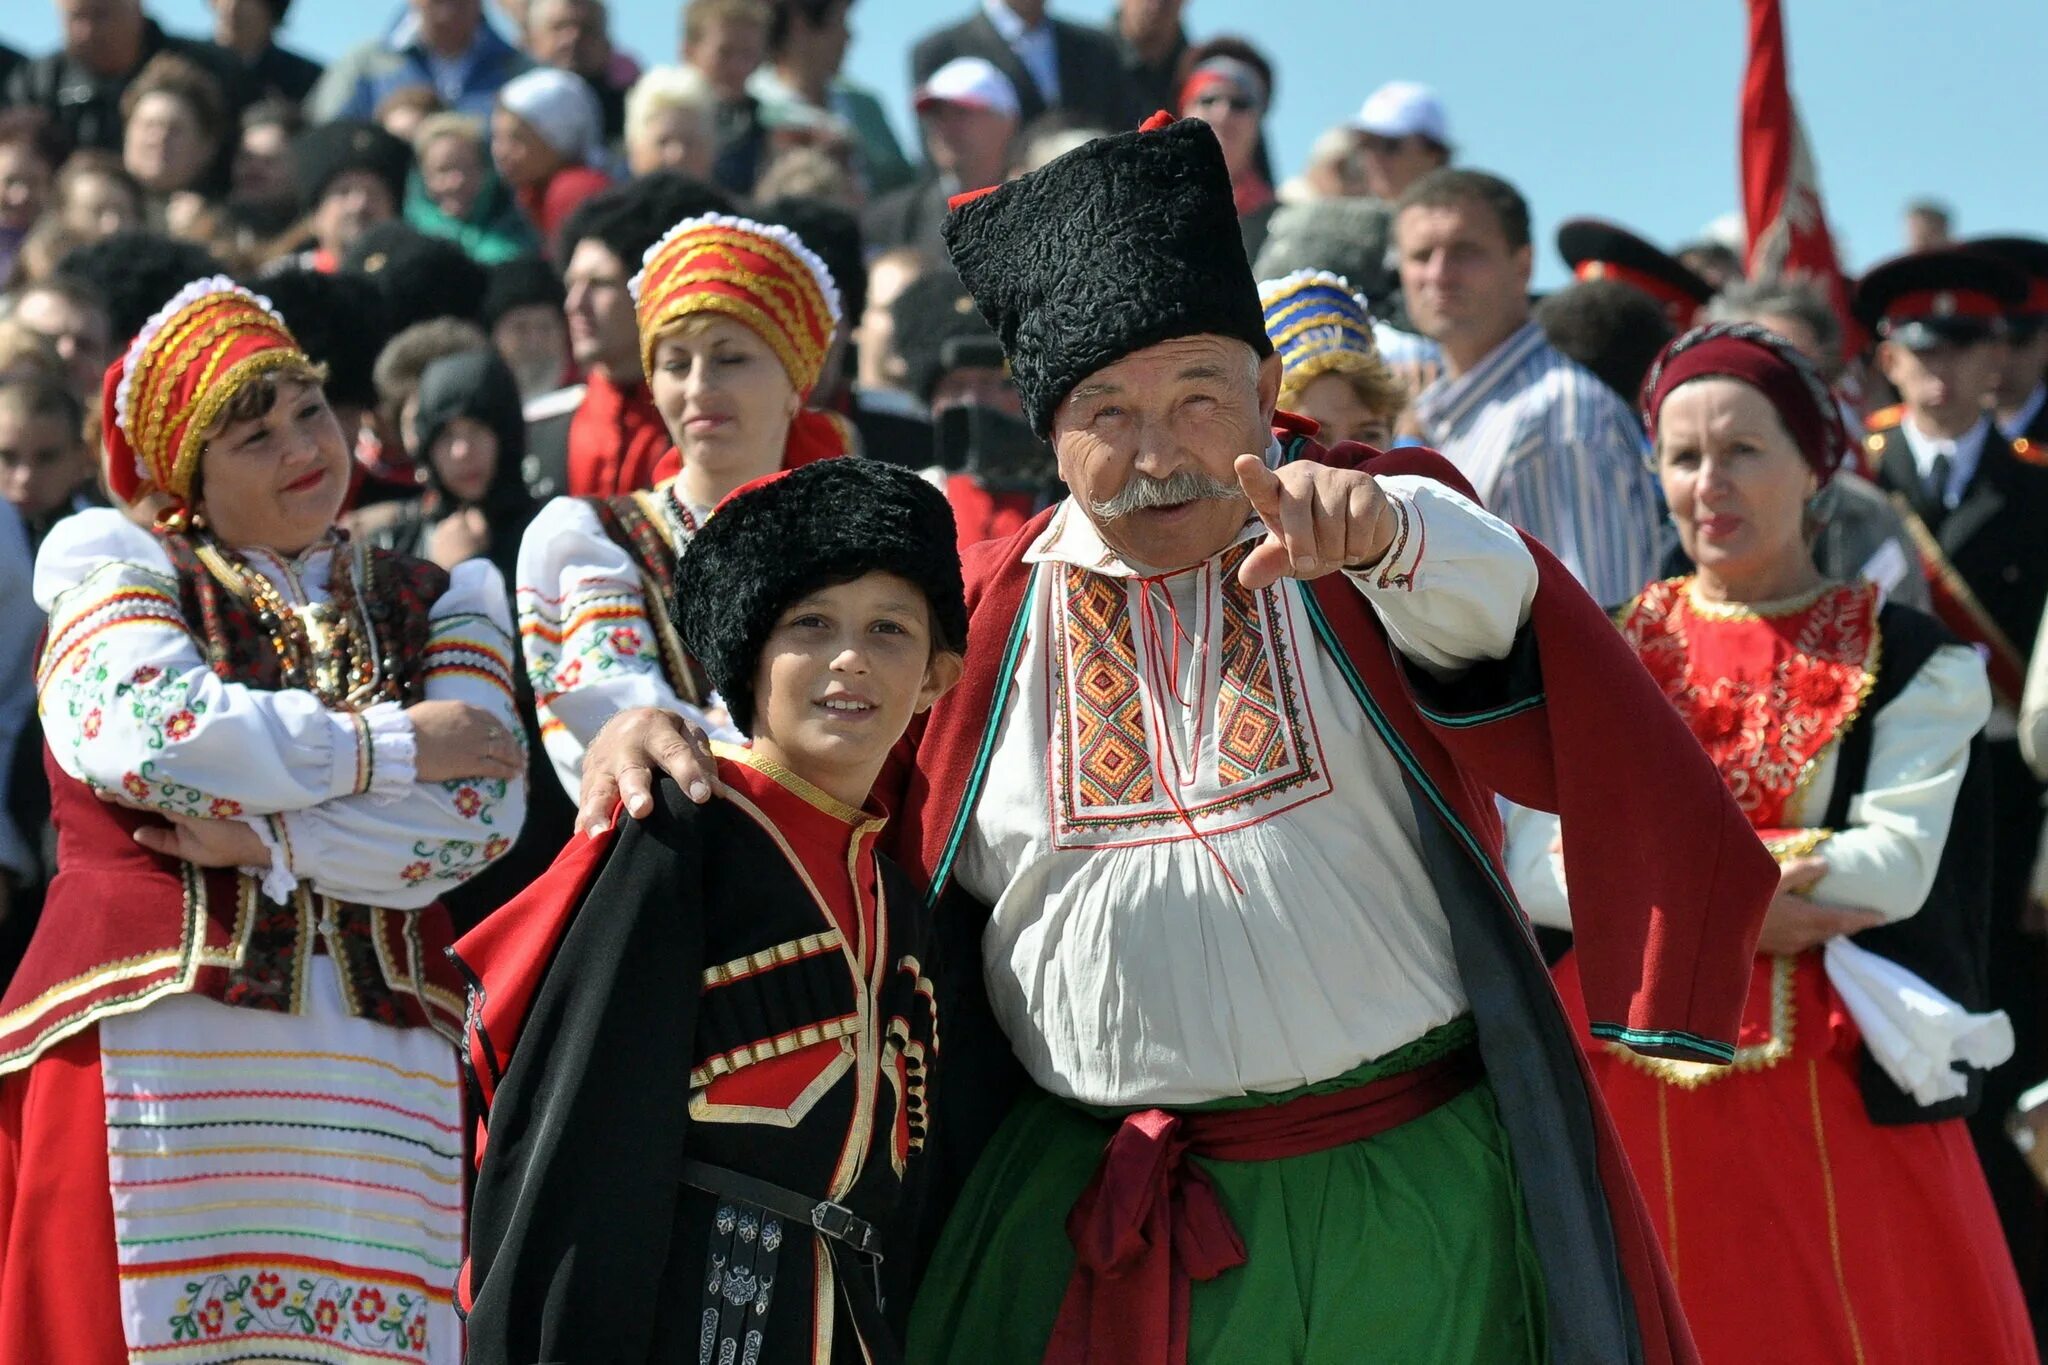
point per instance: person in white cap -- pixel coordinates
(969, 111)
(547, 136)
(1403, 135)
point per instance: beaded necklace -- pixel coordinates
(329, 649)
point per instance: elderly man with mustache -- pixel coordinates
(1248, 1048)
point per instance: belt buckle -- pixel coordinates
(843, 1225)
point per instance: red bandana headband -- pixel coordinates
(758, 274)
(162, 397)
(1767, 363)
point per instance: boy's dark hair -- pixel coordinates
(41, 396)
(785, 12)
(629, 218)
(821, 524)
(1613, 329)
(1454, 187)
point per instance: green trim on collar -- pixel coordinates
(1467, 720)
(1019, 628)
(1707, 1048)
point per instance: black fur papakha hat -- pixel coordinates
(778, 538)
(1124, 242)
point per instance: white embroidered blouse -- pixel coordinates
(1203, 862)
(592, 646)
(129, 704)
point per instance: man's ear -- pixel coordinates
(939, 677)
(1269, 386)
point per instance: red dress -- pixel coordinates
(1796, 1229)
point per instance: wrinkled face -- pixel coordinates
(162, 144)
(672, 139)
(533, 341)
(102, 34)
(242, 25)
(1392, 164)
(465, 458)
(24, 187)
(263, 165)
(452, 169)
(1734, 479)
(1235, 120)
(1343, 415)
(448, 26)
(99, 206)
(725, 398)
(523, 156)
(968, 142)
(568, 34)
(276, 481)
(1182, 410)
(353, 203)
(41, 459)
(842, 673)
(602, 329)
(82, 336)
(1462, 281)
(727, 53)
(1943, 387)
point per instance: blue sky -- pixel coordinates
(1623, 108)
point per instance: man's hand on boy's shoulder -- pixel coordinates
(623, 760)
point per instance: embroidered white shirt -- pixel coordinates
(1204, 862)
(129, 703)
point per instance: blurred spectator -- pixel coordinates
(1152, 43)
(471, 442)
(31, 150)
(45, 466)
(547, 138)
(1229, 86)
(1796, 311)
(351, 177)
(397, 374)
(950, 357)
(72, 316)
(96, 197)
(833, 234)
(1330, 366)
(1335, 170)
(881, 377)
(1719, 264)
(969, 112)
(420, 277)
(670, 118)
(1549, 448)
(1613, 329)
(1929, 224)
(248, 29)
(1595, 249)
(263, 192)
(724, 41)
(1051, 64)
(341, 322)
(401, 112)
(454, 192)
(573, 36)
(523, 312)
(1050, 137)
(807, 41)
(10, 61)
(811, 173)
(106, 45)
(175, 135)
(446, 45)
(25, 354)
(134, 273)
(1403, 135)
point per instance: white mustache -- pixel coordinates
(1143, 492)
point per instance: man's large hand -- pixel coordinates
(1318, 520)
(622, 760)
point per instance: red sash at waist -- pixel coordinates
(1150, 1222)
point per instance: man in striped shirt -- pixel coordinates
(1549, 447)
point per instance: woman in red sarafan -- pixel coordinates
(1819, 1199)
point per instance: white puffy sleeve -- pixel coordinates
(1886, 858)
(1456, 584)
(402, 854)
(589, 646)
(129, 703)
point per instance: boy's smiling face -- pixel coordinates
(842, 673)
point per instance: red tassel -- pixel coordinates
(970, 196)
(1157, 123)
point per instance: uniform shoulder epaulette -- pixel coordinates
(1885, 418)
(2032, 452)
(1874, 442)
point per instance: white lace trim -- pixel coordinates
(158, 321)
(781, 236)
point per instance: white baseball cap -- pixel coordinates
(1403, 109)
(970, 81)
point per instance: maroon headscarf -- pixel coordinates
(1767, 363)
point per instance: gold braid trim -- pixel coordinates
(803, 374)
(775, 294)
(1327, 323)
(1757, 1057)
(152, 424)
(214, 397)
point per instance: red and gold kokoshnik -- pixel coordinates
(758, 274)
(179, 374)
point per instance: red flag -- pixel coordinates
(1781, 206)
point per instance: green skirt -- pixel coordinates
(1408, 1247)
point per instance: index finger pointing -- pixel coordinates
(1261, 485)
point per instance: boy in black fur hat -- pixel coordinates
(740, 1181)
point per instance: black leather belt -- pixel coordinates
(822, 1216)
